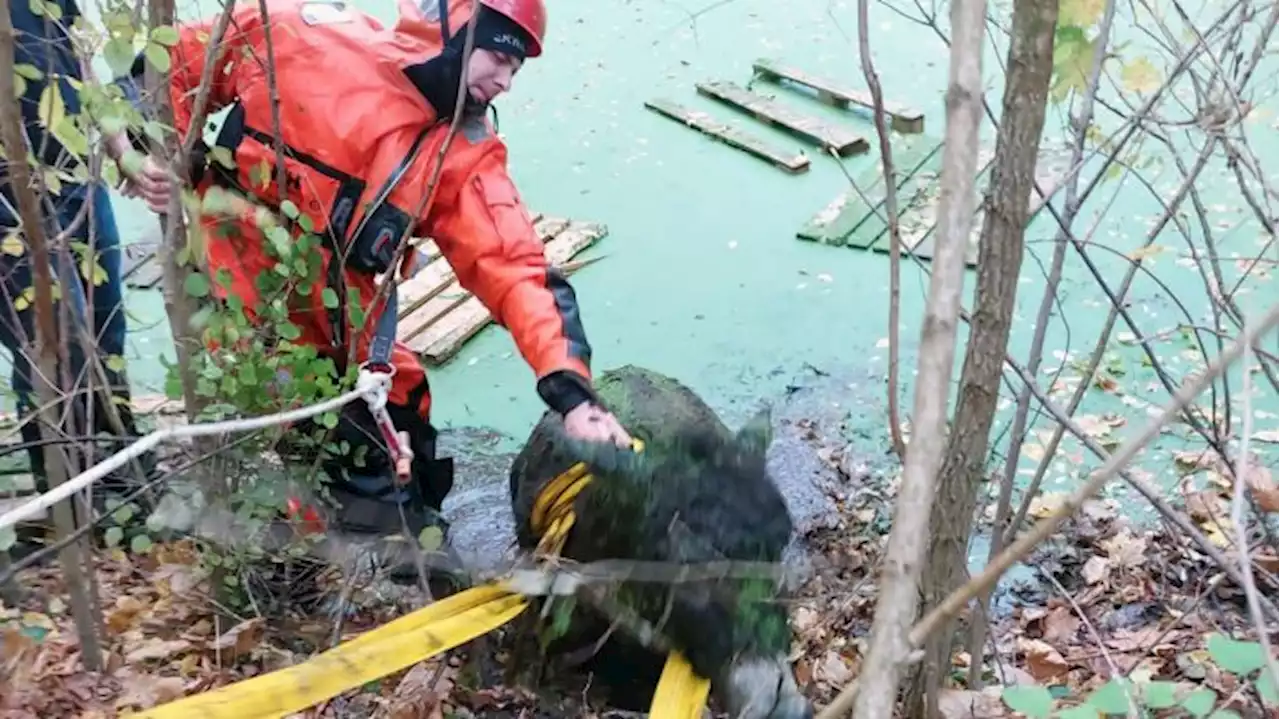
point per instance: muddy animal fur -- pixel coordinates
(697, 493)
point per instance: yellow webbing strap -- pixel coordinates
(422, 634)
(681, 694)
(386, 650)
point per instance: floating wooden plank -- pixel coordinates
(834, 224)
(734, 137)
(845, 142)
(434, 291)
(443, 340)
(141, 270)
(902, 118)
(919, 233)
(919, 217)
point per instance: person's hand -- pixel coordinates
(590, 423)
(150, 182)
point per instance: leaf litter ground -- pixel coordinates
(1107, 599)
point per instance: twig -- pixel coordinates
(895, 230)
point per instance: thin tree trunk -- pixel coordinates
(891, 219)
(898, 601)
(1030, 66)
(46, 340)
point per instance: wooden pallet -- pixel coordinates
(851, 209)
(843, 141)
(734, 137)
(901, 118)
(438, 316)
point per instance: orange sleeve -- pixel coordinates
(487, 236)
(187, 58)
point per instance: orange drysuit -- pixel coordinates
(351, 121)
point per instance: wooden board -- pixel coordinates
(919, 230)
(139, 267)
(834, 224)
(734, 137)
(428, 295)
(843, 141)
(442, 340)
(901, 118)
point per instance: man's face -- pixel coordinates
(489, 74)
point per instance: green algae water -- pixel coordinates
(703, 278)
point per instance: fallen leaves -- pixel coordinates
(1042, 661)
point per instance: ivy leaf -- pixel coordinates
(119, 55)
(1140, 76)
(1034, 701)
(158, 56)
(1237, 657)
(1200, 702)
(1266, 685)
(1159, 695)
(196, 285)
(140, 544)
(1112, 697)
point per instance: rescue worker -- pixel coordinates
(364, 113)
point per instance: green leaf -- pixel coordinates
(223, 156)
(196, 285)
(289, 209)
(158, 56)
(1160, 694)
(1112, 697)
(430, 538)
(289, 331)
(27, 70)
(1237, 657)
(113, 536)
(1140, 76)
(330, 297)
(8, 538)
(123, 514)
(1200, 702)
(1266, 685)
(1034, 701)
(119, 55)
(164, 35)
(1080, 13)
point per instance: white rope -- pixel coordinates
(372, 386)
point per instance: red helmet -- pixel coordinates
(530, 15)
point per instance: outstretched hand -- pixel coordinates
(590, 423)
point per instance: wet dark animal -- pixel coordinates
(697, 493)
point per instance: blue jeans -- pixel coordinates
(108, 326)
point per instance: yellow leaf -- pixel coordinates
(1080, 13)
(1143, 253)
(52, 111)
(1140, 76)
(23, 301)
(13, 245)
